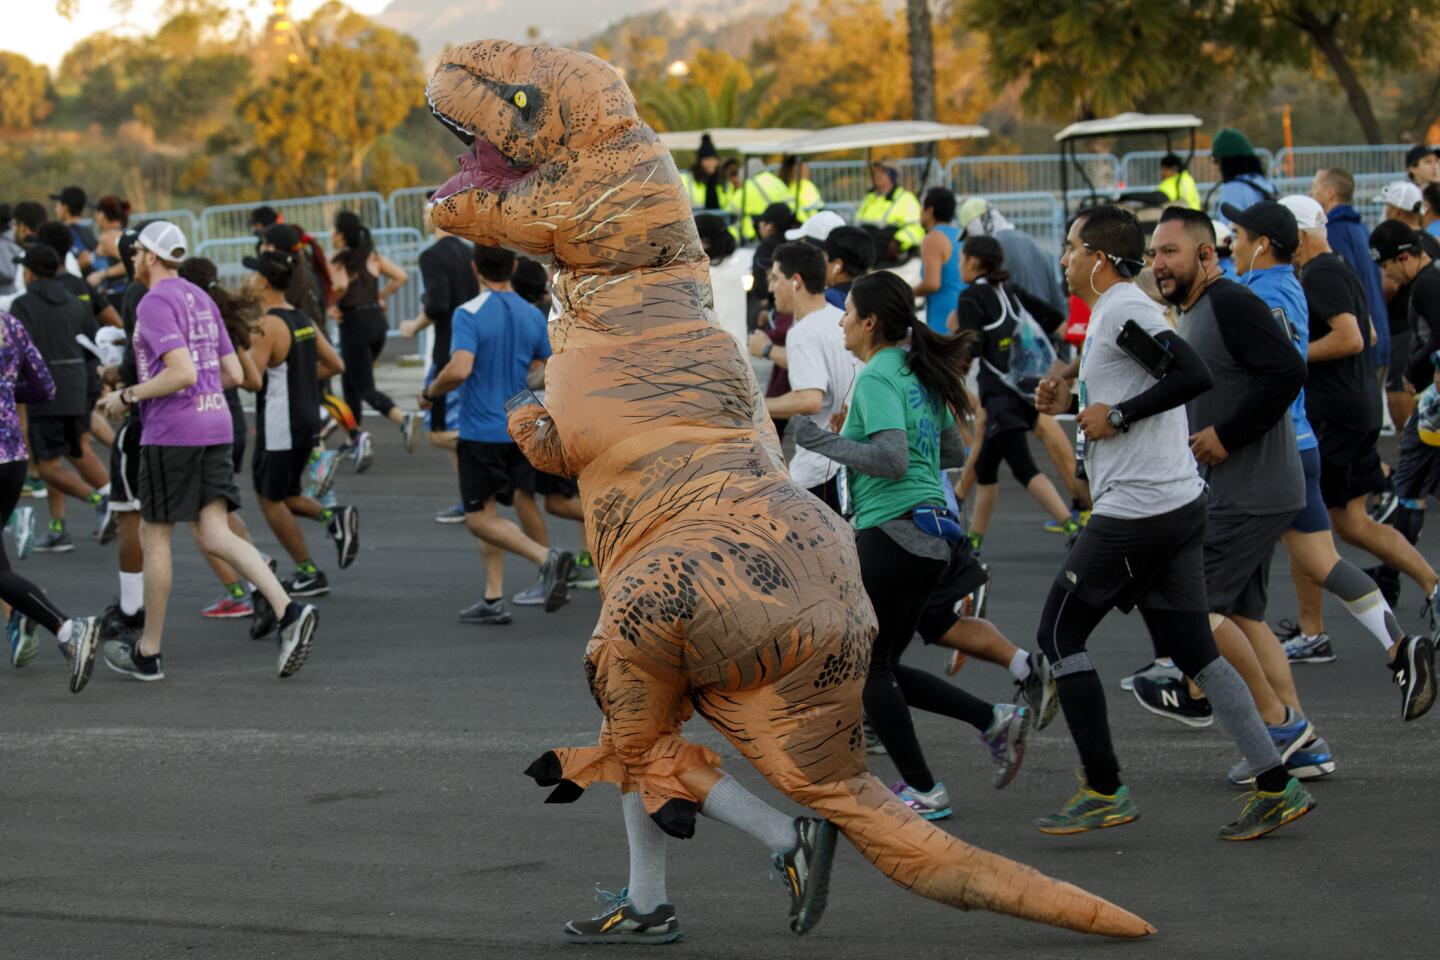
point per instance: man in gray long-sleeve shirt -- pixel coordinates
(1244, 440)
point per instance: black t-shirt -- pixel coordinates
(1340, 392)
(1399, 311)
(1424, 327)
(130, 302)
(980, 310)
(445, 268)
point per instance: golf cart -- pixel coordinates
(1146, 204)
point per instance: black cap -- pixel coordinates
(281, 236)
(40, 259)
(779, 214)
(1268, 219)
(1417, 153)
(275, 266)
(73, 197)
(1391, 239)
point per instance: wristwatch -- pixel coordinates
(128, 401)
(1117, 419)
(766, 352)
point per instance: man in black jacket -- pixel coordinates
(54, 317)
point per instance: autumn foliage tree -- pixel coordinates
(23, 92)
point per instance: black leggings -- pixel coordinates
(362, 339)
(1065, 629)
(15, 590)
(1008, 446)
(899, 585)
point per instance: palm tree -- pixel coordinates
(691, 107)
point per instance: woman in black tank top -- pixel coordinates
(363, 325)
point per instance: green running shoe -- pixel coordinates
(1269, 811)
(1089, 810)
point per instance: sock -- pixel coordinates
(236, 590)
(1070, 525)
(731, 803)
(647, 855)
(132, 593)
(1363, 599)
(326, 514)
(63, 634)
(57, 524)
(1273, 780)
(1020, 665)
(103, 491)
(1232, 703)
(976, 538)
(306, 567)
(494, 599)
(94, 498)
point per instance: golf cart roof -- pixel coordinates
(728, 138)
(1129, 123)
(862, 136)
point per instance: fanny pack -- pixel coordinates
(938, 522)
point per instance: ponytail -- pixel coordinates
(358, 245)
(938, 361)
(990, 255)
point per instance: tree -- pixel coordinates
(720, 91)
(23, 99)
(922, 59)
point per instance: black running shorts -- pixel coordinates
(487, 472)
(962, 577)
(1155, 563)
(52, 437)
(1238, 549)
(280, 473)
(1417, 475)
(1349, 464)
(125, 466)
(176, 482)
(527, 479)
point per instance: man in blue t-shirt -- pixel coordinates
(497, 342)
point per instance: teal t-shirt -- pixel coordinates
(887, 396)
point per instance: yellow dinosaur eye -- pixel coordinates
(520, 99)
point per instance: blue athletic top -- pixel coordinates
(1282, 293)
(940, 304)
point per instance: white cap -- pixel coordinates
(970, 209)
(165, 240)
(1223, 234)
(1308, 212)
(817, 228)
(1402, 194)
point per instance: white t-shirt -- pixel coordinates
(815, 350)
(1149, 469)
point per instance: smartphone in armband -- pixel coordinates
(522, 399)
(1144, 349)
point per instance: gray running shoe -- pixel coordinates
(410, 429)
(364, 452)
(122, 657)
(455, 514)
(532, 596)
(620, 922)
(806, 871)
(1303, 649)
(84, 638)
(54, 541)
(873, 746)
(1039, 691)
(1155, 670)
(22, 525)
(555, 574)
(485, 611)
(1005, 739)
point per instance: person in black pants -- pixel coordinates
(77, 637)
(899, 429)
(363, 329)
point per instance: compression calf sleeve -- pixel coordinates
(1364, 601)
(647, 855)
(731, 803)
(1232, 703)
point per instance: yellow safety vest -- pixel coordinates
(758, 193)
(1180, 188)
(901, 211)
(804, 198)
(696, 190)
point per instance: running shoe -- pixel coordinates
(23, 643)
(54, 541)
(933, 804)
(1039, 692)
(1063, 526)
(1265, 812)
(265, 621)
(620, 922)
(806, 871)
(1431, 609)
(320, 473)
(1311, 761)
(1155, 670)
(22, 526)
(555, 573)
(35, 488)
(1171, 699)
(115, 624)
(410, 429)
(1303, 649)
(364, 451)
(84, 638)
(229, 608)
(297, 634)
(344, 528)
(1090, 810)
(532, 596)
(1290, 734)
(1005, 739)
(106, 521)
(486, 611)
(584, 575)
(300, 584)
(123, 656)
(1385, 505)
(454, 514)
(873, 746)
(1413, 669)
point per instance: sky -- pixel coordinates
(35, 30)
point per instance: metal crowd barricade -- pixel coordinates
(407, 207)
(1037, 213)
(1024, 173)
(1383, 159)
(840, 181)
(1141, 168)
(313, 214)
(183, 219)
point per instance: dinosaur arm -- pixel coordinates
(535, 433)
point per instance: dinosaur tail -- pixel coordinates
(934, 864)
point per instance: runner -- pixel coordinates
(1144, 543)
(183, 360)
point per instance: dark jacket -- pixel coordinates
(54, 317)
(1349, 238)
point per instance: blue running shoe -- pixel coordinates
(933, 804)
(1312, 761)
(1291, 734)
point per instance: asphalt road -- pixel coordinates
(374, 805)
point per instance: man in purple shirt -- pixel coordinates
(184, 361)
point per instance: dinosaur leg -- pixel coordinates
(802, 732)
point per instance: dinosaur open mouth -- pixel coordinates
(483, 166)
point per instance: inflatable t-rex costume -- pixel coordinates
(727, 588)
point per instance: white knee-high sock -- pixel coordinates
(647, 855)
(731, 803)
(1365, 602)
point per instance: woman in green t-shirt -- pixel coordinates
(898, 432)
